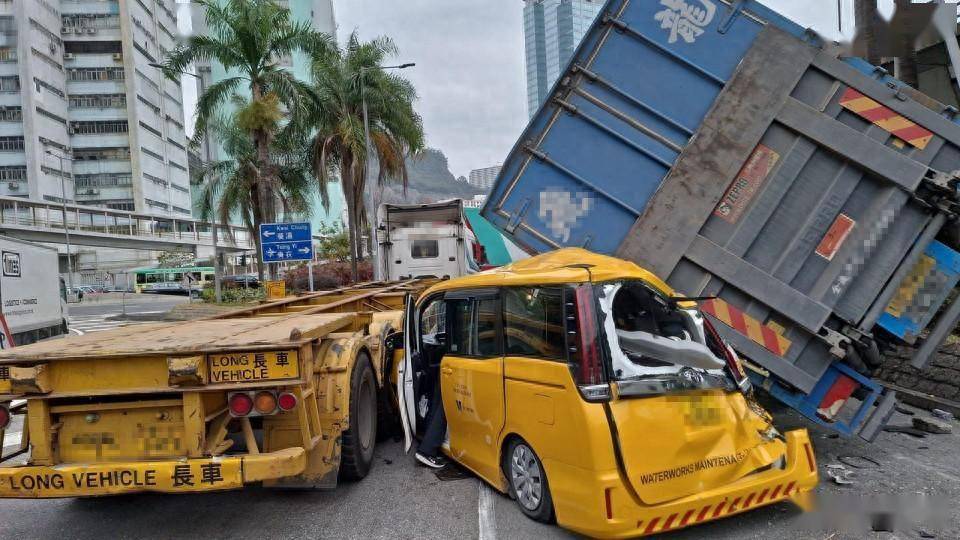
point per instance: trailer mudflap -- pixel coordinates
(172, 476)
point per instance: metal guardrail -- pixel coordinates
(17, 213)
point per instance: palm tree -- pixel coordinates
(341, 79)
(227, 187)
(248, 38)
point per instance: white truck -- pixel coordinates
(425, 240)
(32, 294)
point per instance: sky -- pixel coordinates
(470, 71)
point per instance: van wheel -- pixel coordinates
(528, 482)
(357, 442)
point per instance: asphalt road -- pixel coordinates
(112, 303)
(403, 500)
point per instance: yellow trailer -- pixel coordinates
(286, 393)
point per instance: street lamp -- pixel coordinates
(63, 200)
(368, 193)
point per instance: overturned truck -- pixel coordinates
(809, 200)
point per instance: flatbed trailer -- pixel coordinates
(286, 393)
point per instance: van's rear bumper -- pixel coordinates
(174, 476)
(625, 517)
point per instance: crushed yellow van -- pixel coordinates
(580, 385)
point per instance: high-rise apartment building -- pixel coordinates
(484, 178)
(75, 79)
(321, 14)
(552, 31)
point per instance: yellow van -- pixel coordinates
(579, 385)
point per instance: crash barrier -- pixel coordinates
(734, 153)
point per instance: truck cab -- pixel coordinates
(425, 240)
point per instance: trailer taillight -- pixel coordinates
(240, 404)
(265, 402)
(286, 401)
(4, 417)
(583, 344)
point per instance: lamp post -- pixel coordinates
(368, 200)
(63, 200)
(217, 272)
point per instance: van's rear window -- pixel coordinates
(425, 249)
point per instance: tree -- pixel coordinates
(227, 187)
(338, 149)
(334, 243)
(248, 37)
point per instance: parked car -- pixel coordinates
(542, 363)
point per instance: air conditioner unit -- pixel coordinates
(65, 30)
(77, 29)
(118, 57)
(13, 186)
(91, 30)
(68, 56)
(53, 48)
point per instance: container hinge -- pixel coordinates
(897, 91)
(880, 72)
(732, 13)
(536, 152)
(950, 112)
(945, 181)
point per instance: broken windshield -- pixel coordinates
(656, 346)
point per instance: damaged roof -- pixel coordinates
(569, 265)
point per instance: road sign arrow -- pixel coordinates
(268, 234)
(304, 250)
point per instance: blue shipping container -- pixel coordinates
(734, 154)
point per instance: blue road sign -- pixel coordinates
(286, 242)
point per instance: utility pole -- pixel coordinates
(866, 16)
(63, 200)
(905, 65)
(368, 199)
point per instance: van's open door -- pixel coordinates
(408, 416)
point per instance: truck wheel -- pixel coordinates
(528, 482)
(357, 442)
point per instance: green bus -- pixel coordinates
(171, 280)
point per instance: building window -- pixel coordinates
(103, 180)
(151, 129)
(156, 180)
(95, 74)
(156, 204)
(8, 54)
(11, 114)
(152, 154)
(180, 188)
(10, 83)
(42, 84)
(148, 103)
(51, 116)
(176, 165)
(101, 154)
(183, 211)
(98, 101)
(175, 143)
(11, 144)
(13, 172)
(100, 21)
(94, 127)
(54, 172)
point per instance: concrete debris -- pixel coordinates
(903, 410)
(841, 477)
(913, 432)
(859, 462)
(932, 425)
(942, 414)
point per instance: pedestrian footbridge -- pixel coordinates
(41, 221)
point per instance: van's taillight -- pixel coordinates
(583, 344)
(733, 364)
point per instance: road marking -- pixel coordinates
(486, 514)
(77, 332)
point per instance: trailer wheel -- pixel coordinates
(357, 442)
